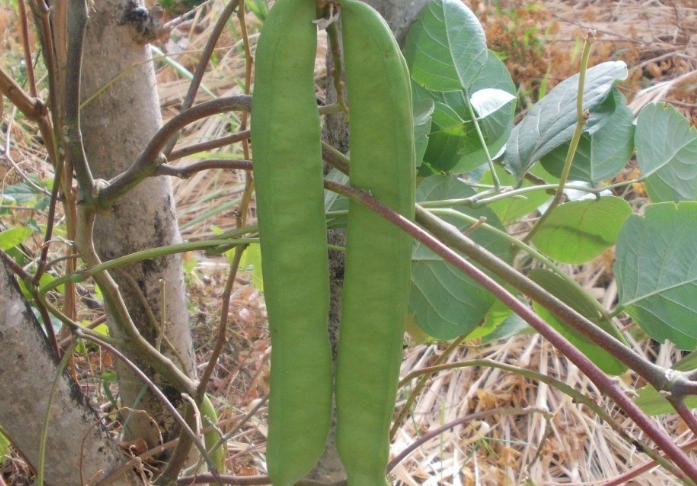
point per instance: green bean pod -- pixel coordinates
(290, 208)
(378, 255)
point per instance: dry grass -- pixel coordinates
(659, 42)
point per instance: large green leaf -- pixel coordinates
(656, 271)
(454, 145)
(552, 121)
(578, 231)
(568, 294)
(652, 403)
(445, 302)
(446, 46)
(666, 146)
(602, 154)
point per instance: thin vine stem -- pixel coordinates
(581, 120)
(44, 428)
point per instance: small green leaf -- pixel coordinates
(578, 231)
(562, 290)
(423, 114)
(656, 272)
(251, 259)
(445, 302)
(552, 121)
(446, 46)
(666, 146)
(511, 209)
(4, 446)
(14, 236)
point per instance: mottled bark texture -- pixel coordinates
(28, 369)
(116, 126)
(399, 14)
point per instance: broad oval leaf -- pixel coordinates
(602, 154)
(445, 302)
(578, 231)
(566, 292)
(14, 236)
(666, 146)
(552, 121)
(656, 272)
(446, 46)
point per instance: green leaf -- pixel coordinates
(454, 145)
(446, 46)
(568, 294)
(4, 446)
(602, 154)
(14, 236)
(506, 323)
(444, 142)
(251, 260)
(656, 272)
(496, 127)
(445, 302)
(512, 209)
(423, 114)
(578, 231)
(488, 101)
(666, 146)
(552, 121)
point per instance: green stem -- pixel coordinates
(473, 115)
(582, 119)
(151, 253)
(44, 429)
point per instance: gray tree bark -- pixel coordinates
(399, 14)
(28, 368)
(116, 126)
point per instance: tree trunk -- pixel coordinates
(28, 369)
(399, 14)
(116, 126)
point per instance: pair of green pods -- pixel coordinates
(290, 209)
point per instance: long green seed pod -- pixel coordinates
(290, 205)
(378, 255)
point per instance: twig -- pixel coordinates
(211, 144)
(30, 106)
(467, 418)
(191, 169)
(413, 394)
(77, 22)
(201, 68)
(633, 473)
(168, 405)
(151, 157)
